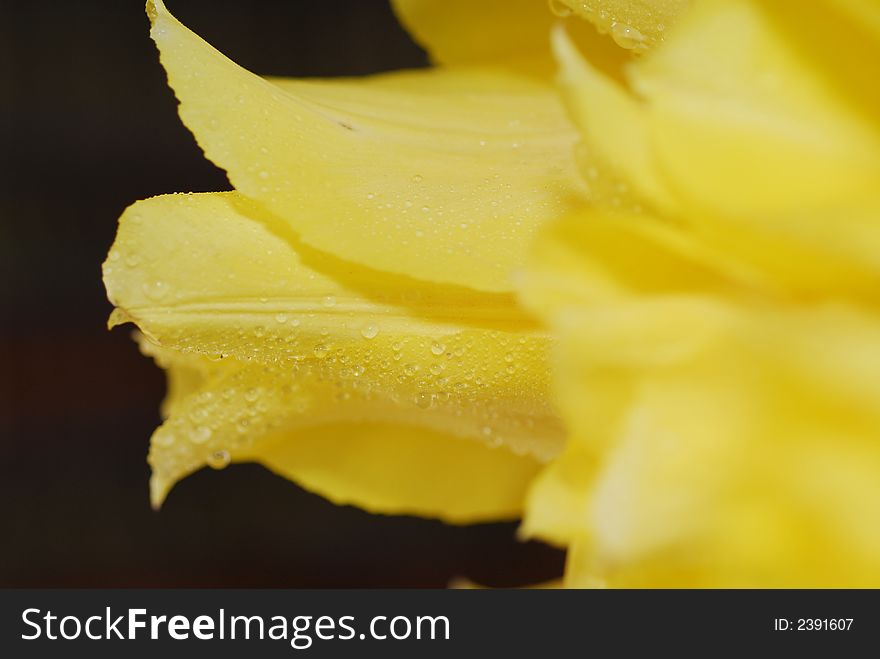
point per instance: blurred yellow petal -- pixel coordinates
(440, 186)
(615, 154)
(215, 276)
(721, 434)
(742, 125)
(739, 140)
(600, 257)
(478, 31)
(507, 33)
(634, 24)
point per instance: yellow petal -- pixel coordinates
(722, 433)
(508, 33)
(742, 124)
(438, 186)
(614, 157)
(185, 373)
(478, 31)
(770, 199)
(404, 470)
(729, 467)
(634, 24)
(603, 257)
(247, 413)
(215, 275)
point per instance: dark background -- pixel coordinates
(88, 126)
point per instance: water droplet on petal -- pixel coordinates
(163, 437)
(199, 434)
(626, 36)
(559, 8)
(369, 331)
(219, 459)
(155, 290)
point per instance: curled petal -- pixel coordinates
(396, 172)
(319, 340)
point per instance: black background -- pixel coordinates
(87, 126)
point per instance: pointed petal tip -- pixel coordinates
(118, 317)
(159, 489)
(154, 8)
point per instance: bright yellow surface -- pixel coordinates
(323, 345)
(719, 316)
(442, 176)
(693, 219)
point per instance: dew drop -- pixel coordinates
(626, 36)
(199, 434)
(369, 331)
(163, 438)
(155, 290)
(438, 348)
(219, 459)
(281, 318)
(321, 350)
(417, 178)
(329, 301)
(559, 8)
(424, 400)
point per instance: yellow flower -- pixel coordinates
(374, 311)
(717, 309)
(346, 316)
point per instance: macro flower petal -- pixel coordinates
(731, 132)
(720, 434)
(478, 31)
(733, 82)
(614, 156)
(318, 341)
(634, 24)
(249, 413)
(393, 172)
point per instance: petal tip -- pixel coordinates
(154, 8)
(159, 489)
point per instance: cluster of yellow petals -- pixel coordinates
(620, 282)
